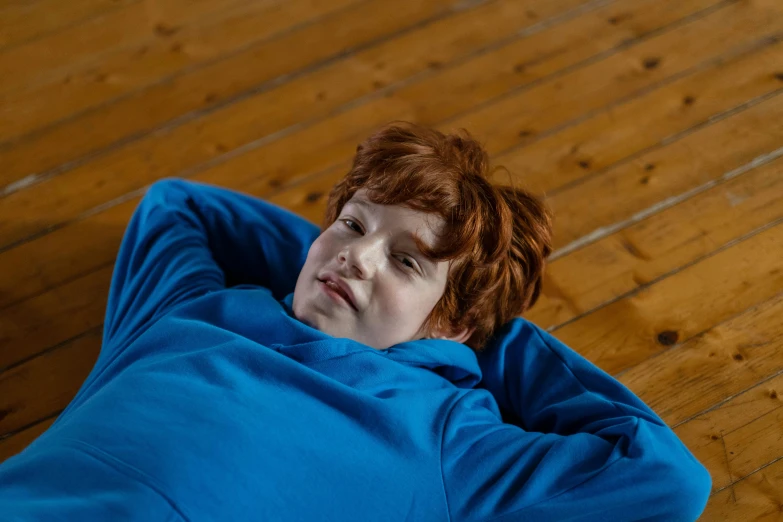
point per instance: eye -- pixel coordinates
(348, 223)
(410, 265)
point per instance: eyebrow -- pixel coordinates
(366, 205)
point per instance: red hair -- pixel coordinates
(497, 237)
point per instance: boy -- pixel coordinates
(254, 367)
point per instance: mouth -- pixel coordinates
(337, 293)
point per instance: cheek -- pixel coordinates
(311, 265)
(402, 300)
(319, 250)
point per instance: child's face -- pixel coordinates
(395, 287)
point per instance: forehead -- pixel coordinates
(396, 218)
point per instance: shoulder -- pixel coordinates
(472, 405)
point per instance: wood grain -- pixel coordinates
(561, 300)
(721, 437)
(624, 74)
(756, 497)
(620, 335)
(651, 127)
(712, 367)
(59, 374)
(151, 62)
(613, 135)
(21, 22)
(684, 169)
(282, 160)
(52, 57)
(13, 444)
(283, 58)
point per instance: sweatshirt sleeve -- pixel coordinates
(583, 446)
(186, 239)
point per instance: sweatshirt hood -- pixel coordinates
(451, 360)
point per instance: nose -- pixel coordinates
(362, 257)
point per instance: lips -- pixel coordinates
(340, 287)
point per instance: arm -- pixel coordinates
(543, 385)
(584, 447)
(186, 239)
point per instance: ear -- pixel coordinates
(460, 337)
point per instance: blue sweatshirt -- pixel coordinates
(210, 401)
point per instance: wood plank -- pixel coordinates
(756, 498)
(52, 260)
(717, 366)
(646, 249)
(93, 242)
(57, 376)
(69, 249)
(14, 444)
(664, 114)
(731, 358)
(658, 117)
(284, 160)
(717, 437)
(51, 58)
(608, 143)
(55, 316)
(23, 21)
(522, 62)
(156, 61)
(755, 444)
(722, 366)
(323, 87)
(307, 198)
(653, 177)
(622, 334)
(711, 367)
(624, 75)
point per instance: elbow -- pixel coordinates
(166, 185)
(679, 485)
(167, 193)
(695, 489)
(688, 484)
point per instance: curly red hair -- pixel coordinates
(497, 237)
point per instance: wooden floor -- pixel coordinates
(653, 127)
